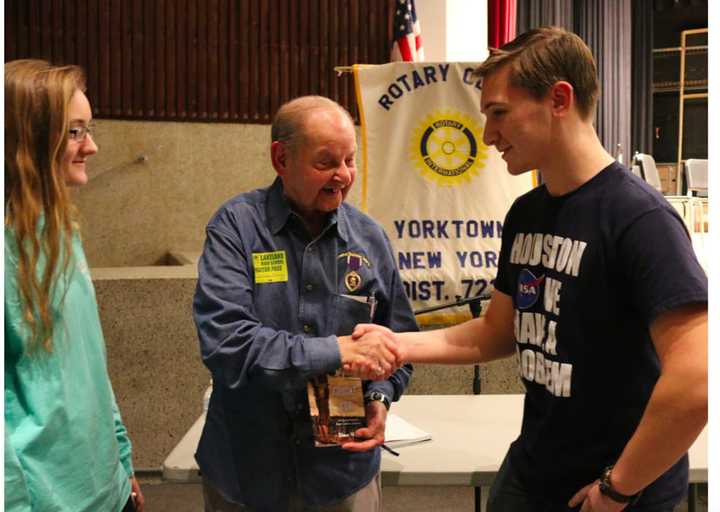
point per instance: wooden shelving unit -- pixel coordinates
(687, 92)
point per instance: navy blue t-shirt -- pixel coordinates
(588, 272)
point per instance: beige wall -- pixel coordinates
(153, 359)
(133, 213)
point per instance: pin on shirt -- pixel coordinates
(353, 281)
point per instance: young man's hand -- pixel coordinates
(594, 501)
(374, 355)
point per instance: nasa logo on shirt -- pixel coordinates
(528, 289)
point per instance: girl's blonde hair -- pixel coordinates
(37, 95)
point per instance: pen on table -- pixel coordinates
(390, 450)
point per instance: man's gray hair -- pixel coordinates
(289, 122)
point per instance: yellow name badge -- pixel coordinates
(270, 267)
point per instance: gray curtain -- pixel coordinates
(605, 25)
(642, 76)
(540, 13)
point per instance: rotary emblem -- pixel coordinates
(447, 148)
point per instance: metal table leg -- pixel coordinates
(692, 497)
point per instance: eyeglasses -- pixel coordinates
(79, 133)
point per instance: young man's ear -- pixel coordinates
(279, 156)
(562, 97)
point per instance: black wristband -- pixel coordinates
(376, 396)
(607, 489)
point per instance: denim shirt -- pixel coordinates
(269, 305)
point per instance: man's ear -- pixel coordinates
(562, 96)
(279, 156)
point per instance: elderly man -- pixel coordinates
(286, 273)
(599, 294)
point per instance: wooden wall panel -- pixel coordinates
(131, 16)
(91, 33)
(102, 100)
(204, 60)
(180, 59)
(115, 69)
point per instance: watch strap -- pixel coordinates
(607, 489)
(377, 396)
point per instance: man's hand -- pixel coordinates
(137, 495)
(363, 329)
(364, 367)
(374, 434)
(373, 356)
(594, 501)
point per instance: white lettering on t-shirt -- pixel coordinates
(555, 376)
(533, 328)
(529, 328)
(558, 378)
(550, 346)
(552, 295)
(551, 251)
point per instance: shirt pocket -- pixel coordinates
(348, 311)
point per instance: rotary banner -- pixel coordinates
(428, 179)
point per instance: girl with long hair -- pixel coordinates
(66, 448)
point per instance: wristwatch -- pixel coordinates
(607, 489)
(376, 396)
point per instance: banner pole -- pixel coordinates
(355, 69)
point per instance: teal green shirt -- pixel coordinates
(66, 448)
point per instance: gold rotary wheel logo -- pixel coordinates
(447, 148)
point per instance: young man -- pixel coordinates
(286, 273)
(598, 292)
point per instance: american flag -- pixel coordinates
(407, 43)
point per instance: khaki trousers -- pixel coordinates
(367, 499)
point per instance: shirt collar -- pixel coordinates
(278, 209)
(279, 212)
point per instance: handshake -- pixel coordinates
(372, 352)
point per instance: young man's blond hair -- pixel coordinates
(543, 56)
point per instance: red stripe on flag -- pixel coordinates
(405, 50)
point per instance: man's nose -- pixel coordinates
(489, 133)
(343, 173)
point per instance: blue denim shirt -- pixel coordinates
(269, 303)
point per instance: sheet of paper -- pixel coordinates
(400, 432)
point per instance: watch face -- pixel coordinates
(605, 481)
(606, 489)
(376, 396)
